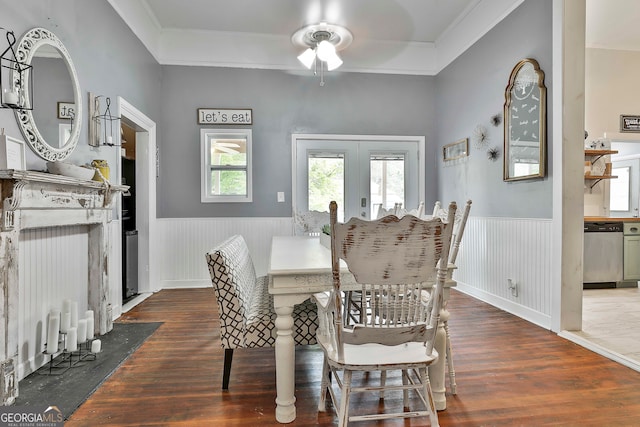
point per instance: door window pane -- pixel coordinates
(387, 181)
(326, 181)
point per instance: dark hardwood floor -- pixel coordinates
(509, 373)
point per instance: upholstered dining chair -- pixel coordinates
(392, 261)
(245, 307)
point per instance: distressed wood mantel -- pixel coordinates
(36, 200)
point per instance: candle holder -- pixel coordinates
(101, 124)
(86, 353)
(57, 361)
(16, 78)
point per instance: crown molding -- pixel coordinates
(245, 50)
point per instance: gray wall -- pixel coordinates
(108, 58)
(471, 90)
(283, 103)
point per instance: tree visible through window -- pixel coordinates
(326, 181)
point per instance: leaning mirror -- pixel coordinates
(525, 123)
(52, 126)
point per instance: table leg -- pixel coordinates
(436, 370)
(285, 356)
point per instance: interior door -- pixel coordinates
(359, 174)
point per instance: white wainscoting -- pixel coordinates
(184, 243)
(493, 250)
(496, 249)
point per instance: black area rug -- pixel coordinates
(70, 389)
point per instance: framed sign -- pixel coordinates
(12, 154)
(455, 150)
(66, 110)
(629, 123)
(224, 116)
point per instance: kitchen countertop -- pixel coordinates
(606, 218)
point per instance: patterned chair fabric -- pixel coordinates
(247, 317)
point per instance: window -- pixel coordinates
(226, 165)
(619, 191)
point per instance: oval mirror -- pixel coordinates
(525, 122)
(52, 125)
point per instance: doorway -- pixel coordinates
(145, 201)
(128, 215)
(361, 173)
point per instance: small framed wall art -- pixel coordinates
(629, 123)
(12, 154)
(455, 150)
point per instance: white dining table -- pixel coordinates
(300, 266)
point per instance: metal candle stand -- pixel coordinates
(59, 363)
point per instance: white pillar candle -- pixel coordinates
(74, 314)
(65, 322)
(52, 333)
(72, 339)
(96, 346)
(82, 331)
(66, 306)
(90, 324)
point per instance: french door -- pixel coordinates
(361, 173)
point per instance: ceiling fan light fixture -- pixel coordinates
(326, 50)
(321, 43)
(307, 57)
(333, 62)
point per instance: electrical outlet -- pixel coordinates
(280, 196)
(513, 286)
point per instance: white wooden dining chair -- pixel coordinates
(460, 224)
(310, 223)
(392, 261)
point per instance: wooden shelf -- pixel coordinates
(599, 152)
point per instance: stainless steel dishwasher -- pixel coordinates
(603, 254)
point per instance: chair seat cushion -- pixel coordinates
(260, 326)
(377, 356)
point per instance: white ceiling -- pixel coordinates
(389, 36)
(613, 24)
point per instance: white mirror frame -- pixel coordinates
(27, 47)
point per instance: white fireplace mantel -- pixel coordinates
(36, 200)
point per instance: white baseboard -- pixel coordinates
(181, 284)
(526, 313)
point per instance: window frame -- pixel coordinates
(206, 167)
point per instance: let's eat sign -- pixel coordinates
(227, 116)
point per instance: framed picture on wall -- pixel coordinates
(12, 154)
(629, 123)
(455, 150)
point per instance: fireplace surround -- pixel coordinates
(33, 200)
